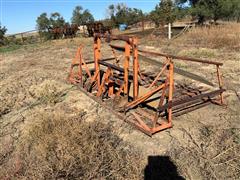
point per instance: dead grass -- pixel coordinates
(18, 94)
(48, 92)
(225, 36)
(57, 147)
(198, 53)
(210, 153)
(222, 36)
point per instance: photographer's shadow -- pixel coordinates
(161, 168)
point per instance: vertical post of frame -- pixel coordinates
(135, 68)
(96, 47)
(220, 83)
(80, 70)
(170, 91)
(126, 67)
(73, 64)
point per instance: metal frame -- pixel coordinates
(108, 81)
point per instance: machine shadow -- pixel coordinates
(161, 167)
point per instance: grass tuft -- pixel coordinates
(71, 148)
(5, 49)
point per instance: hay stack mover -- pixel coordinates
(148, 100)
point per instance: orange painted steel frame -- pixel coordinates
(166, 87)
(130, 43)
(135, 68)
(187, 59)
(131, 48)
(80, 63)
(126, 67)
(97, 56)
(168, 84)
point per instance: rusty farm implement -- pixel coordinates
(147, 100)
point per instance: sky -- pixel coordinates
(20, 15)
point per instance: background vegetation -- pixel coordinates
(3, 30)
(166, 11)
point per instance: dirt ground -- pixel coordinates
(203, 144)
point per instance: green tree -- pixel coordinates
(210, 9)
(111, 12)
(57, 20)
(3, 31)
(43, 26)
(43, 23)
(87, 17)
(135, 15)
(203, 10)
(164, 12)
(121, 14)
(225, 9)
(81, 17)
(234, 10)
(77, 15)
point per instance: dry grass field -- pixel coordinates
(49, 129)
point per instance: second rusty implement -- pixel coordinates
(148, 100)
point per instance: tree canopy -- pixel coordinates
(166, 11)
(163, 13)
(81, 17)
(203, 10)
(45, 23)
(56, 20)
(3, 31)
(121, 14)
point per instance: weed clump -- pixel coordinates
(48, 92)
(70, 148)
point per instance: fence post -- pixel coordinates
(169, 31)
